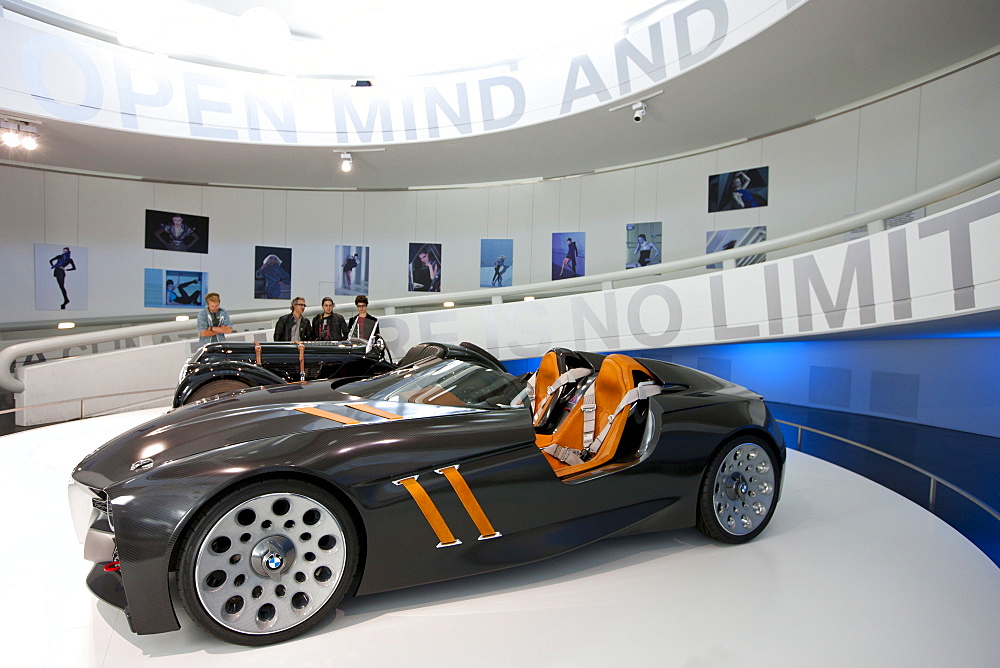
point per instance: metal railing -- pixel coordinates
(972, 179)
(935, 480)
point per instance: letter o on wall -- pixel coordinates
(638, 303)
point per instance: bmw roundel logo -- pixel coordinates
(273, 561)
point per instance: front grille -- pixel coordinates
(102, 505)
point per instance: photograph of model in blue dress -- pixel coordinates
(60, 265)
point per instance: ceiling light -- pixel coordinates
(345, 165)
(182, 318)
(14, 134)
(66, 325)
(449, 304)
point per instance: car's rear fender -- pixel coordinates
(250, 374)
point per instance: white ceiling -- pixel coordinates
(826, 55)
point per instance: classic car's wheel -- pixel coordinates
(739, 491)
(267, 562)
(214, 387)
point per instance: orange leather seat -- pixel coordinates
(618, 375)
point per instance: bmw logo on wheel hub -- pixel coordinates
(272, 556)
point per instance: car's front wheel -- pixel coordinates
(739, 491)
(267, 562)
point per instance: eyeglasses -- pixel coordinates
(299, 304)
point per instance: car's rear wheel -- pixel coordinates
(267, 562)
(216, 387)
(739, 491)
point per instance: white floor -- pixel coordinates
(847, 574)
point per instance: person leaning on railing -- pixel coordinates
(213, 320)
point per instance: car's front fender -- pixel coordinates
(251, 374)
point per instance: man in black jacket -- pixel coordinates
(294, 326)
(329, 326)
(361, 325)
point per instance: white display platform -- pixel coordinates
(847, 574)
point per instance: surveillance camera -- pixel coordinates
(638, 111)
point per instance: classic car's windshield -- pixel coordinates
(445, 383)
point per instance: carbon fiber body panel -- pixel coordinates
(201, 451)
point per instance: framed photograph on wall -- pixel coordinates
(60, 277)
(568, 255)
(272, 273)
(743, 189)
(425, 268)
(642, 244)
(170, 230)
(352, 268)
(174, 288)
(742, 236)
(496, 257)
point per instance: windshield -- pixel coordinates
(444, 383)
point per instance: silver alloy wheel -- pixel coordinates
(270, 563)
(743, 492)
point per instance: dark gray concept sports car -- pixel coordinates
(272, 504)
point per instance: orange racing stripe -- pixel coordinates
(312, 410)
(468, 500)
(371, 410)
(430, 511)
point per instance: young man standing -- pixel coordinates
(329, 326)
(213, 320)
(362, 325)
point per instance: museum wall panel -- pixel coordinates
(818, 174)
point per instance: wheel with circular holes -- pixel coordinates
(267, 562)
(739, 491)
(216, 387)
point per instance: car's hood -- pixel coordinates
(254, 415)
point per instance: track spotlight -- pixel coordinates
(638, 111)
(15, 134)
(346, 162)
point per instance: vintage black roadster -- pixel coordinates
(272, 504)
(216, 368)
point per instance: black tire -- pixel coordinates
(740, 490)
(267, 562)
(214, 388)
(483, 353)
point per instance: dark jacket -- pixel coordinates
(329, 328)
(370, 321)
(283, 329)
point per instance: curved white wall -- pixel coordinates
(818, 173)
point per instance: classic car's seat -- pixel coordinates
(559, 374)
(579, 443)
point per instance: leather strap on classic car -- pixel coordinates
(468, 499)
(256, 350)
(430, 511)
(302, 361)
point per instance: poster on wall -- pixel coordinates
(170, 230)
(568, 254)
(272, 273)
(642, 244)
(425, 268)
(60, 277)
(174, 288)
(496, 257)
(745, 189)
(352, 263)
(721, 240)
